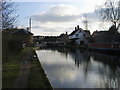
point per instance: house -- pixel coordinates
(79, 36)
(105, 37)
(106, 41)
(23, 35)
(63, 38)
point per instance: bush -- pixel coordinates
(15, 46)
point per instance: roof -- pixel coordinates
(87, 31)
(21, 32)
(73, 32)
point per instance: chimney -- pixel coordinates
(66, 33)
(27, 28)
(75, 28)
(78, 27)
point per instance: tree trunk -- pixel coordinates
(115, 25)
(118, 27)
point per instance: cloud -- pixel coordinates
(91, 16)
(56, 20)
(52, 28)
(60, 18)
(94, 21)
(58, 13)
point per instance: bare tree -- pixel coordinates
(8, 16)
(110, 11)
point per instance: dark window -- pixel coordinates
(81, 42)
(84, 35)
(77, 35)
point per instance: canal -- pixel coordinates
(75, 68)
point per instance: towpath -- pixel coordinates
(22, 78)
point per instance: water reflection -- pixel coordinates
(74, 68)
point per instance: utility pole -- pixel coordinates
(86, 22)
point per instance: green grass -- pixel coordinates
(9, 74)
(37, 77)
(10, 69)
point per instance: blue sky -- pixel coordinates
(26, 9)
(54, 18)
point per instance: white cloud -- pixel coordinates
(94, 21)
(52, 28)
(58, 13)
(60, 18)
(56, 20)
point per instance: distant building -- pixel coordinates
(38, 39)
(79, 36)
(106, 40)
(51, 40)
(63, 38)
(105, 36)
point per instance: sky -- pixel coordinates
(54, 17)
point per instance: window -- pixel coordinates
(84, 35)
(77, 35)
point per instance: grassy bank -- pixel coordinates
(37, 78)
(11, 69)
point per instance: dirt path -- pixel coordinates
(22, 78)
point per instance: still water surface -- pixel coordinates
(74, 68)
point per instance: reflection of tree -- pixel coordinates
(80, 57)
(111, 80)
(109, 70)
(112, 61)
(87, 63)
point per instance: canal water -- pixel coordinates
(75, 68)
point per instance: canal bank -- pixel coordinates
(24, 71)
(38, 78)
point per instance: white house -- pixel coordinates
(79, 36)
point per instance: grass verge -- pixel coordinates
(37, 78)
(10, 69)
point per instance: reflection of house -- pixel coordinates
(23, 35)
(79, 36)
(80, 57)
